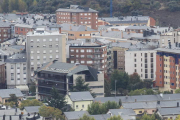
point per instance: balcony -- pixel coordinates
(50, 86)
(96, 58)
(52, 79)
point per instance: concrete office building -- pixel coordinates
(43, 46)
(78, 15)
(141, 59)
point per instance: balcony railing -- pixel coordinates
(51, 86)
(52, 80)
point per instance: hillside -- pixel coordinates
(165, 12)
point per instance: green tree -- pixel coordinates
(148, 117)
(14, 99)
(32, 87)
(86, 117)
(57, 100)
(47, 111)
(115, 118)
(178, 117)
(5, 5)
(34, 102)
(107, 88)
(80, 85)
(121, 79)
(167, 92)
(97, 108)
(177, 91)
(34, 3)
(22, 6)
(143, 91)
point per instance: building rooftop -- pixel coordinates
(4, 24)
(18, 57)
(126, 19)
(71, 27)
(122, 44)
(76, 9)
(140, 105)
(75, 114)
(80, 96)
(5, 93)
(122, 112)
(68, 68)
(32, 109)
(101, 117)
(140, 98)
(169, 111)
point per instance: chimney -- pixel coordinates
(177, 104)
(60, 30)
(122, 35)
(70, 27)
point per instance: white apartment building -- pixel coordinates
(42, 47)
(141, 61)
(16, 72)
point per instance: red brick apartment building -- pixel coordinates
(5, 31)
(93, 55)
(23, 29)
(78, 15)
(168, 69)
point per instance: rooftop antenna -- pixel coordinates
(111, 8)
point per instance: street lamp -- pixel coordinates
(115, 87)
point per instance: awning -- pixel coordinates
(23, 87)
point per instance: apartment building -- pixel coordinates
(23, 29)
(78, 15)
(16, 71)
(77, 31)
(5, 31)
(91, 54)
(63, 76)
(43, 46)
(171, 36)
(141, 59)
(168, 70)
(118, 50)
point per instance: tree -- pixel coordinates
(86, 117)
(143, 91)
(22, 6)
(47, 111)
(177, 91)
(32, 88)
(115, 118)
(57, 100)
(5, 5)
(34, 3)
(167, 92)
(80, 85)
(14, 99)
(178, 117)
(121, 79)
(107, 88)
(97, 108)
(148, 117)
(34, 102)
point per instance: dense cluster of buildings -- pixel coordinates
(53, 50)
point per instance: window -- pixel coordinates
(12, 67)
(134, 60)
(72, 61)
(50, 39)
(134, 65)
(50, 46)
(38, 52)
(72, 50)
(82, 106)
(44, 40)
(32, 51)
(82, 61)
(89, 62)
(134, 55)
(140, 111)
(57, 56)
(82, 51)
(38, 40)
(44, 51)
(57, 51)
(82, 56)
(77, 51)
(76, 106)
